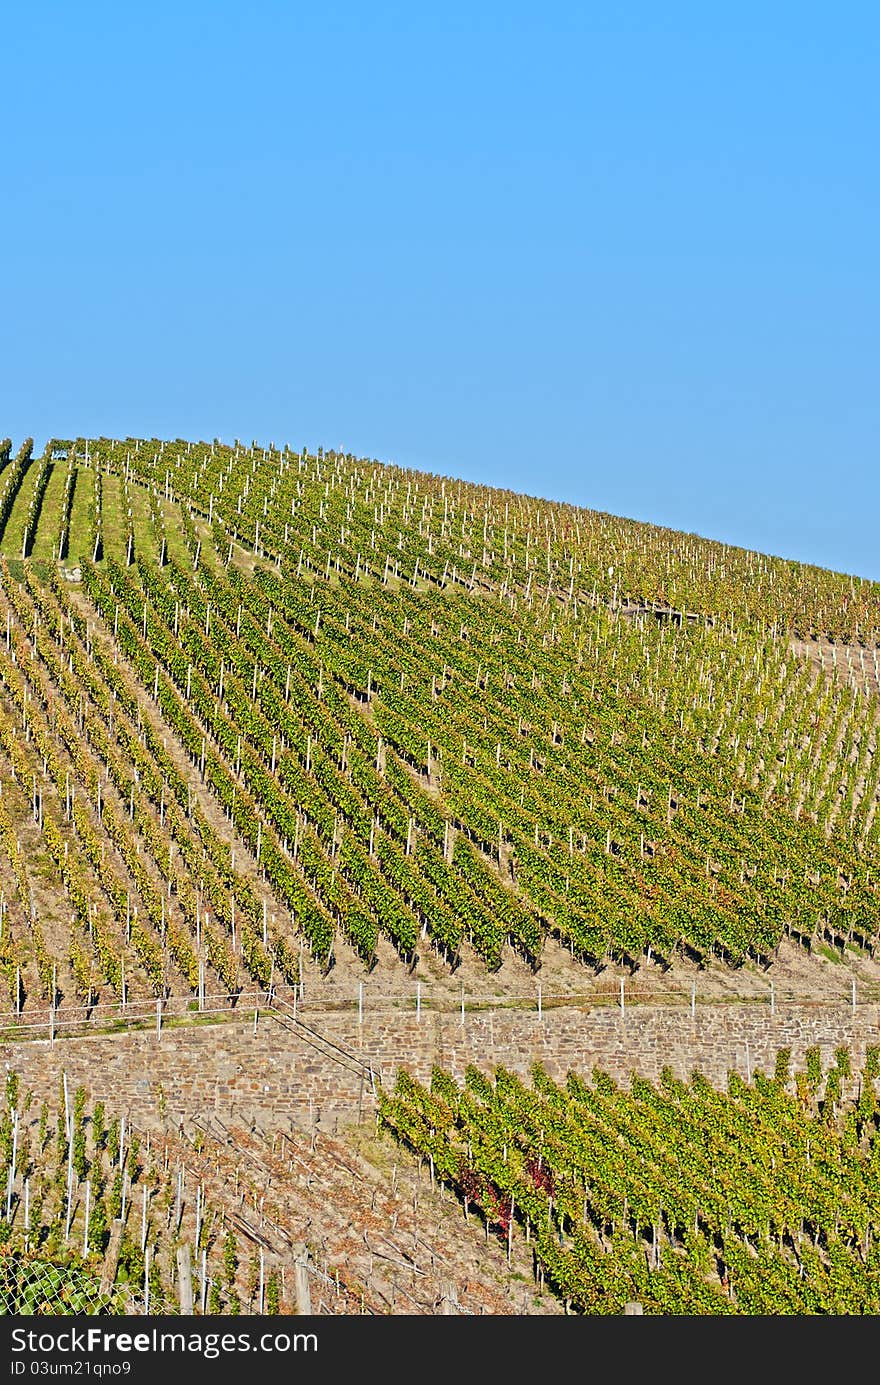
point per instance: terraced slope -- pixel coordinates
(494, 1195)
(268, 716)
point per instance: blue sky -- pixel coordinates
(624, 256)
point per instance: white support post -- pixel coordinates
(11, 1178)
(86, 1226)
(69, 1213)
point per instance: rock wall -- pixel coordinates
(280, 1075)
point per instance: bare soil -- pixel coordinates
(382, 1237)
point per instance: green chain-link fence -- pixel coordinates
(29, 1285)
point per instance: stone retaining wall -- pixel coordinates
(276, 1076)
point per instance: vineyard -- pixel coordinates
(271, 715)
(762, 1199)
(71, 1174)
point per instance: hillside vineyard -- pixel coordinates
(434, 713)
(675, 1195)
(263, 709)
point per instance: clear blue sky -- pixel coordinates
(622, 255)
